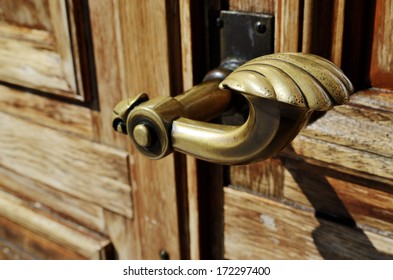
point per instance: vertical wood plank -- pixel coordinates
(147, 65)
(338, 31)
(307, 26)
(358, 37)
(186, 43)
(188, 78)
(109, 69)
(322, 24)
(82, 49)
(193, 209)
(288, 33)
(382, 53)
(60, 29)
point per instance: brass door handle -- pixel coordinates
(277, 93)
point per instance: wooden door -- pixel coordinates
(70, 187)
(329, 194)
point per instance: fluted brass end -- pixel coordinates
(303, 80)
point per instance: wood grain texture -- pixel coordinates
(186, 44)
(85, 213)
(253, 6)
(148, 68)
(259, 228)
(364, 127)
(156, 207)
(17, 242)
(82, 50)
(357, 136)
(307, 26)
(111, 80)
(192, 175)
(83, 169)
(342, 158)
(382, 53)
(322, 28)
(288, 26)
(366, 205)
(48, 112)
(123, 235)
(30, 13)
(288, 15)
(60, 231)
(340, 166)
(337, 31)
(9, 251)
(358, 37)
(342, 197)
(52, 163)
(259, 177)
(37, 50)
(193, 208)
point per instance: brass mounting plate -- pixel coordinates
(245, 35)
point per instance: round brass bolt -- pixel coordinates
(142, 135)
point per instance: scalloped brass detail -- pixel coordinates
(280, 92)
(303, 80)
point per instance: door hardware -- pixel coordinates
(244, 36)
(279, 91)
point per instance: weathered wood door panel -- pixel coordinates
(70, 187)
(329, 194)
(43, 47)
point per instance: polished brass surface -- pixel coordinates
(277, 93)
(121, 110)
(202, 102)
(303, 80)
(142, 135)
(269, 127)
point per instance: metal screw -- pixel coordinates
(259, 27)
(219, 22)
(164, 255)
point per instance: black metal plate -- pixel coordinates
(246, 35)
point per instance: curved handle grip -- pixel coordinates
(280, 91)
